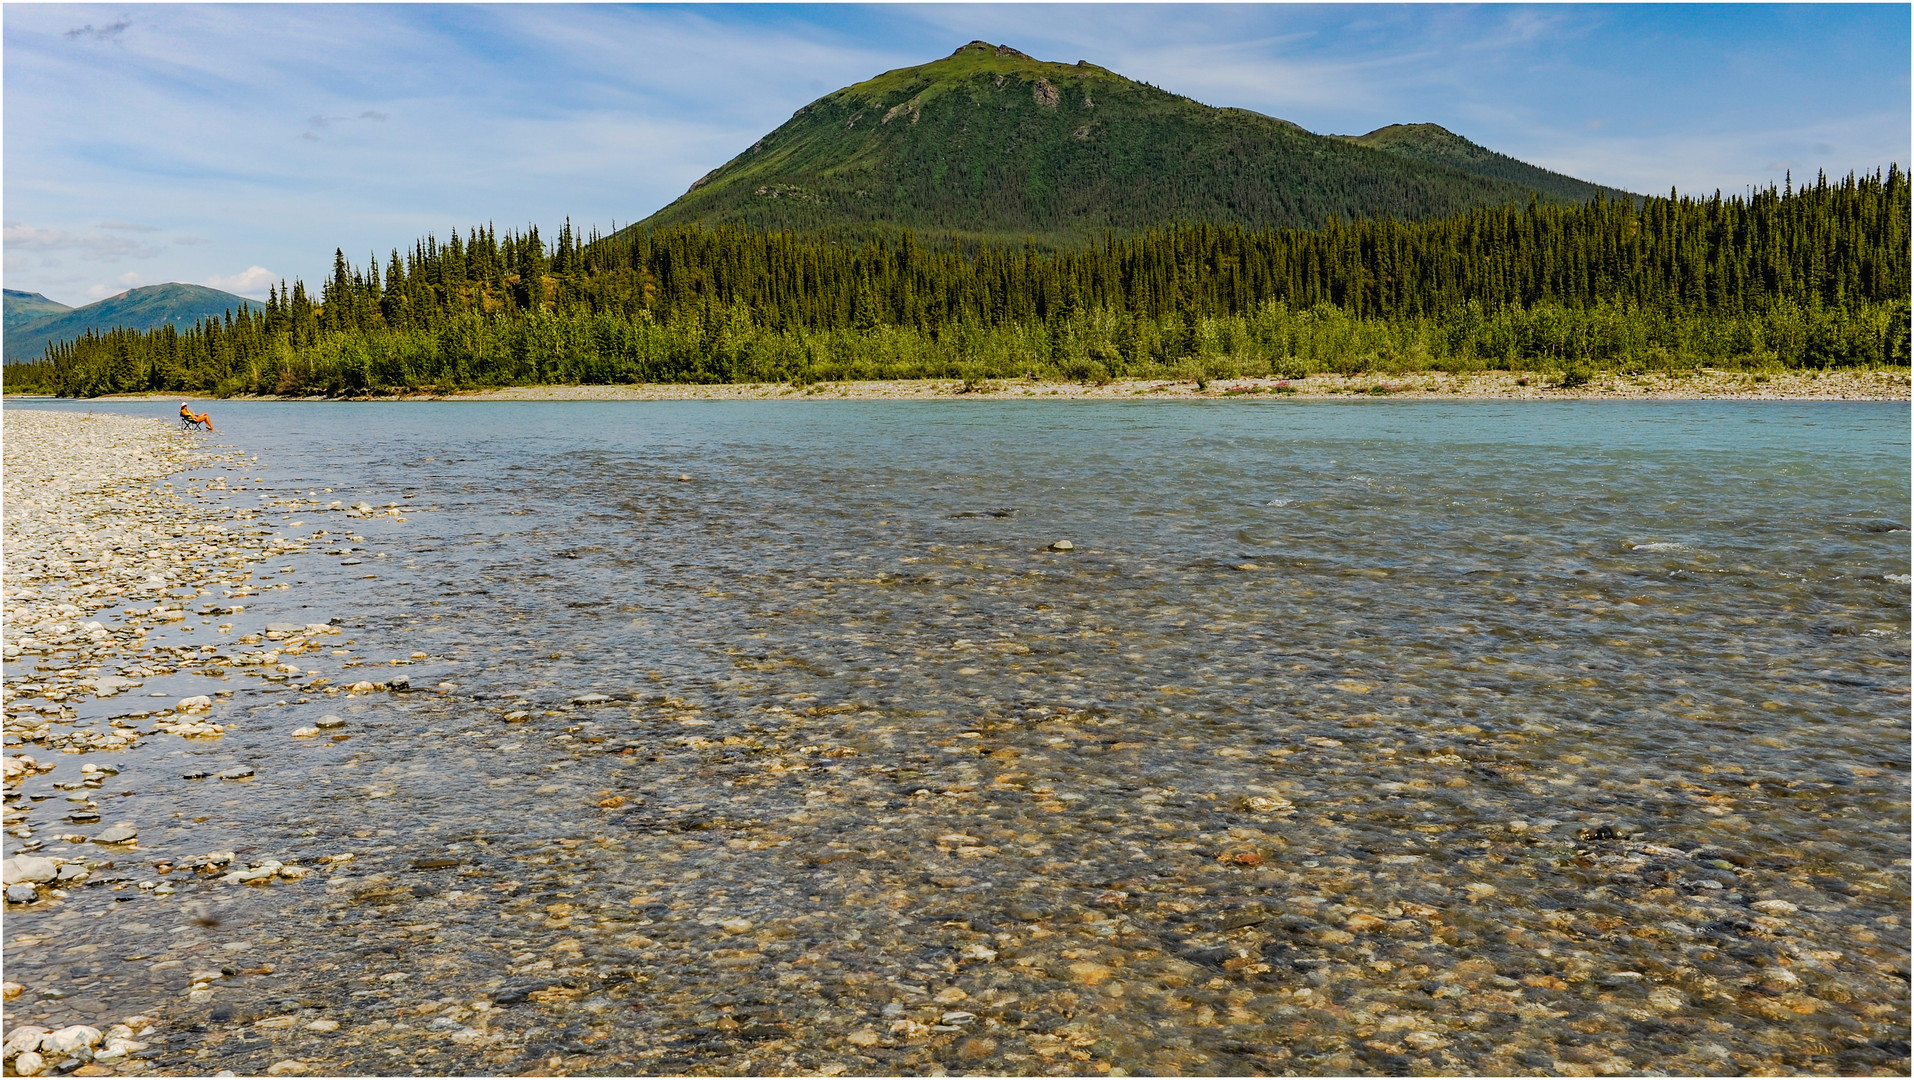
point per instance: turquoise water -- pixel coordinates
(1377, 737)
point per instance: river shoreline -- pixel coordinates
(1437, 386)
(109, 549)
(82, 490)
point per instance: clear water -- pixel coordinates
(1379, 737)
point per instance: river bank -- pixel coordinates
(108, 546)
(1488, 386)
(86, 531)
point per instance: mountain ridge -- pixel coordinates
(1436, 144)
(22, 308)
(991, 143)
(145, 308)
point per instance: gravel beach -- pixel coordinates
(102, 553)
(1505, 385)
(1487, 386)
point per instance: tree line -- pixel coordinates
(1817, 275)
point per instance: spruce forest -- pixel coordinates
(1816, 277)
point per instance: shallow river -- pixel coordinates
(1350, 738)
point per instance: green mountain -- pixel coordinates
(991, 143)
(1433, 144)
(26, 307)
(145, 308)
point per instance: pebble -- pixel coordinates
(119, 834)
(1063, 545)
(1422, 1041)
(68, 1039)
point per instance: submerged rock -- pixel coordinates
(29, 868)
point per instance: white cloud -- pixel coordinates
(91, 246)
(252, 281)
(128, 280)
(128, 226)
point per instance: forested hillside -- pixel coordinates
(144, 308)
(1817, 276)
(1436, 145)
(991, 144)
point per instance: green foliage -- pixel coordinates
(1812, 278)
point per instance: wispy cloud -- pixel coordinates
(128, 226)
(91, 246)
(318, 122)
(102, 290)
(393, 120)
(110, 32)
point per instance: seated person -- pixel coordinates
(187, 414)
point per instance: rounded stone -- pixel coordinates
(29, 868)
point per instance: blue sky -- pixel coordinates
(236, 145)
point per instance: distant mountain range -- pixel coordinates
(990, 143)
(33, 322)
(29, 307)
